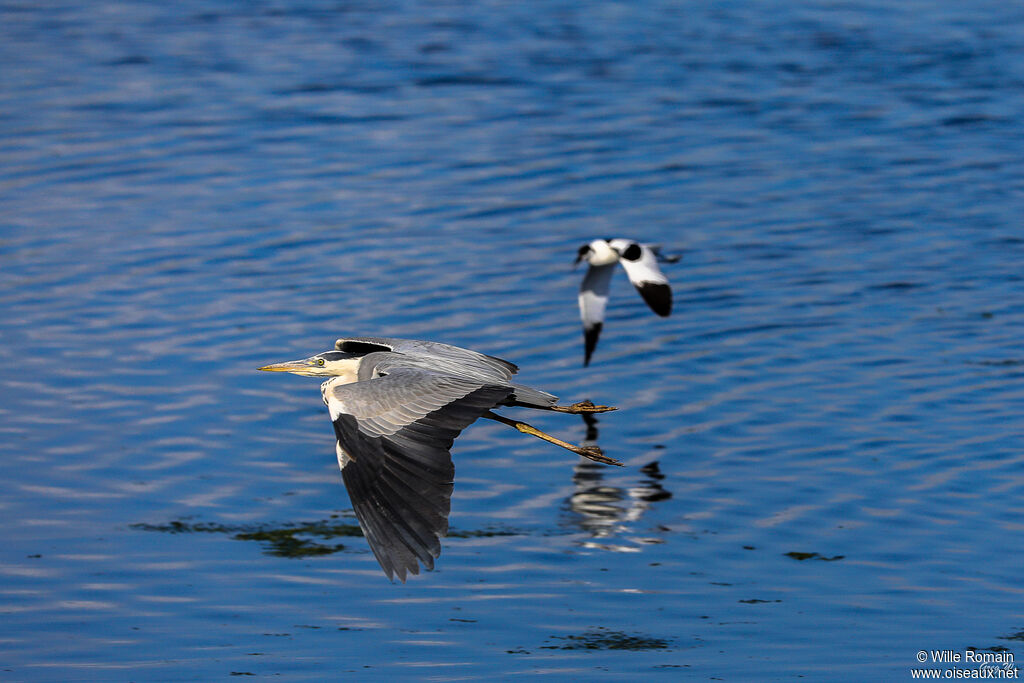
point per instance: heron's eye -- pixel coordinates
(320, 362)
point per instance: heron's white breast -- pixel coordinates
(343, 457)
(348, 376)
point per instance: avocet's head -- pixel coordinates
(327, 364)
(597, 253)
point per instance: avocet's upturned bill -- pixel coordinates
(641, 264)
(397, 406)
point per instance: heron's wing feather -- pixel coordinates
(593, 298)
(397, 431)
(641, 264)
(532, 398)
(457, 359)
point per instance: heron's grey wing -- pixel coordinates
(397, 430)
(593, 298)
(441, 357)
(385, 363)
(641, 264)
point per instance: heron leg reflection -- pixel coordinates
(592, 452)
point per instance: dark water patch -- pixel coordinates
(293, 116)
(971, 120)
(757, 601)
(281, 541)
(883, 362)
(601, 638)
(131, 60)
(747, 106)
(898, 286)
(1005, 363)
(456, 25)
(361, 44)
(800, 557)
(330, 87)
(483, 533)
(434, 48)
(285, 542)
(469, 80)
(1016, 635)
(1007, 240)
(290, 540)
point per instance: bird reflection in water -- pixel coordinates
(604, 511)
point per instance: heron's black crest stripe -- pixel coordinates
(361, 348)
(658, 296)
(590, 335)
(633, 252)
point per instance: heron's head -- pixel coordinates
(326, 364)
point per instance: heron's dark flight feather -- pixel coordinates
(530, 397)
(401, 482)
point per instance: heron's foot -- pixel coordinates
(594, 453)
(582, 407)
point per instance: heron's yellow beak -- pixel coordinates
(299, 366)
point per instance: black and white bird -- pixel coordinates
(641, 264)
(397, 406)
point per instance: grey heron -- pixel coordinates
(397, 406)
(640, 262)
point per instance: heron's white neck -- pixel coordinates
(342, 372)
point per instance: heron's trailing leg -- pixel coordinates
(582, 407)
(592, 452)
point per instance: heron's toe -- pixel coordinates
(597, 455)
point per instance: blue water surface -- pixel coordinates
(823, 443)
